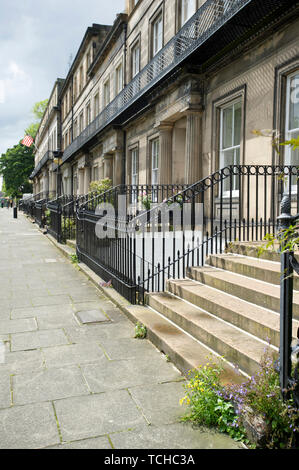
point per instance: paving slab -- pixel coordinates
(117, 375)
(73, 354)
(38, 339)
(160, 403)
(28, 427)
(46, 385)
(97, 415)
(96, 443)
(92, 316)
(21, 361)
(17, 326)
(181, 436)
(5, 391)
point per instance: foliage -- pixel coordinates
(16, 165)
(140, 331)
(226, 407)
(208, 407)
(262, 395)
(145, 200)
(48, 216)
(38, 111)
(74, 259)
(99, 187)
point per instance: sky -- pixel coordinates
(37, 40)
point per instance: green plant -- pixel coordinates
(140, 331)
(74, 259)
(207, 405)
(99, 187)
(48, 216)
(145, 200)
(261, 396)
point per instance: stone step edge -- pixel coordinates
(132, 312)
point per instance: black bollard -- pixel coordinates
(15, 212)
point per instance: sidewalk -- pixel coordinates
(64, 384)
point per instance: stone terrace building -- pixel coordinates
(48, 139)
(138, 108)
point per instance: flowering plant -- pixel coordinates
(227, 407)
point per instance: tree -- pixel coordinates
(16, 165)
(38, 111)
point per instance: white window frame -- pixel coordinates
(157, 34)
(234, 148)
(119, 79)
(106, 92)
(135, 53)
(134, 173)
(188, 3)
(155, 155)
(96, 103)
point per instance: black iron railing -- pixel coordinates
(140, 249)
(61, 220)
(200, 27)
(289, 378)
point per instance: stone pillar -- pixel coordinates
(193, 157)
(117, 168)
(108, 166)
(165, 156)
(81, 181)
(86, 179)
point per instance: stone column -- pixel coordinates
(165, 156)
(108, 166)
(86, 179)
(80, 182)
(193, 162)
(117, 168)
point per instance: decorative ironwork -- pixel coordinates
(201, 26)
(288, 382)
(155, 251)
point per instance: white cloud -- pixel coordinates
(35, 50)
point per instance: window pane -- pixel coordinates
(294, 103)
(188, 9)
(227, 128)
(237, 124)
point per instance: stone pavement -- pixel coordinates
(64, 384)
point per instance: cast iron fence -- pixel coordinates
(140, 249)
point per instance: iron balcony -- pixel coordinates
(216, 22)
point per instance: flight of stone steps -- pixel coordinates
(229, 307)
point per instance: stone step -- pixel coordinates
(183, 350)
(252, 249)
(267, 271)
(257, 292)
(260, 322)
(235, 345)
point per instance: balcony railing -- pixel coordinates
(47, 156)
(200, 27)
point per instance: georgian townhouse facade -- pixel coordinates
(138, 108)
(47, 141)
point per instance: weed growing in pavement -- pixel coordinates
(140, 331)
